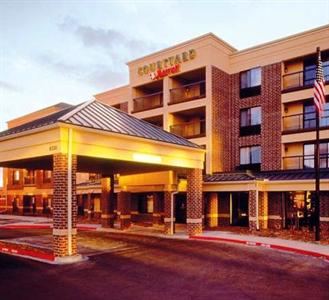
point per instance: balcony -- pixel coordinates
(302, 79)
(188, 92)
(147, 102)
(304, 122)
(304, 162)
(190, 130)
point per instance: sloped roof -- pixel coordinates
(269, 175)
(97, 115)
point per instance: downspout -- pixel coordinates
(172, 212)
(69, 192)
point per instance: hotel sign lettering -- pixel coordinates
(167, 66)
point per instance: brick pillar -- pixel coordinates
(107, 201)
(167, 212)
(89, 205)
(252, 210)
(194, 201)
(60, 206)
(157, 208)
(324, 215)
(212, 210)
(124, 199)
(263, 210)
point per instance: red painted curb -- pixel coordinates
(36, 226)
(32, 253)
(272, 246)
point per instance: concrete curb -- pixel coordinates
(45, 226)
(265, 245)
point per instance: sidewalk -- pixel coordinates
(305, 248)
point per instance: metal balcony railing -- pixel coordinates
(299, 80)
(150, 101)
(304, 162)
(190, 130)
(305, 121)
(188, 92)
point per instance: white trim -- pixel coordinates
(324, 219)
(63, 232)
(274, 217)
(194, 221)
(167, 220)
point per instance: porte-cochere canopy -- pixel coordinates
(94, 137)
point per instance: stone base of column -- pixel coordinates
(125, 221)
(60, 245)
(194, 228)
(252, 225)
(107, 221)
(324, 230)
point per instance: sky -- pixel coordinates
(68, 51)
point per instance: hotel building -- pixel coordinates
(251, 110)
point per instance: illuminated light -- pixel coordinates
(148, 158)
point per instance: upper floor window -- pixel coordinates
(310, 116)
(309, 151)
(250, 82)
(16, 177)
(250, 157)
(250, 121)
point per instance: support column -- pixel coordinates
(64, 227)
(194, 201)
(263, 210)
(167, 212)
(324, 215)
(156, 209)
(107, 201)
(212, 210)
(252, 210)
(124, 199)
(89, 206)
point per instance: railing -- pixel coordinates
(298, 79)
(304, 162)
(190, 129)
(192, 91)
(148, 102)
(299, 122)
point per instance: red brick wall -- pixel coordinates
(226, 119)
(220, 116)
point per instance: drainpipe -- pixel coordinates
(69, 192)
(257, 209)
(172, 212)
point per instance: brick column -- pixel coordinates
(212, 210)
(252, 210)
(263, 210)
(194, 201)
(89, 205)
(324, 215)
(60, 206)
(167, 212)
(107, 199)
(124, 199)
(156, 208)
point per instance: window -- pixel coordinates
(310, 117)
(250, 83)
(250, 120)
(47, 176)
(250, 157)
(145, 203)
(29, 177)
(309, 155)
(16, 177)
(94, 176)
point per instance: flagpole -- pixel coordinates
(317, 166)
(317, 179)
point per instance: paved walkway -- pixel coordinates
(306, 248)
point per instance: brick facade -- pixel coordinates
(212, 210)
(124, 209)
(60, 205)
(252, 210)
(167, 212)
(324, 215)
(107, 216)
(194, 201)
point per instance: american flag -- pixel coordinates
(319, 90)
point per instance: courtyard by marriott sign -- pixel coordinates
(167, 66)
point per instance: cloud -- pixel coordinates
(116, 43)
(104, 78)
(9, 87)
